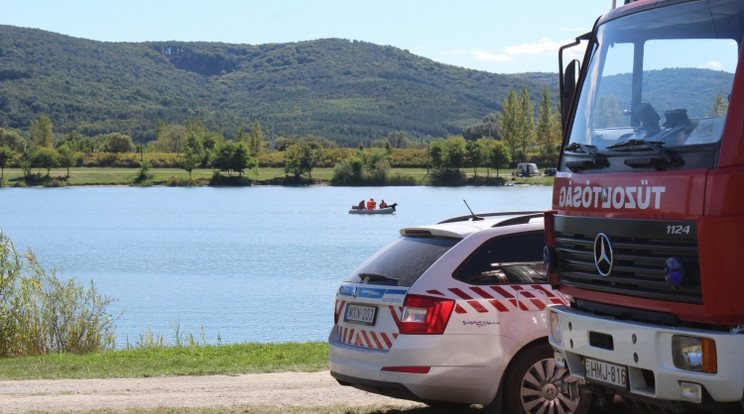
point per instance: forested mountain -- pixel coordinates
(348, 91)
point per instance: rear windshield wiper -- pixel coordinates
(377, 279)
(597, 160)
(663, 159)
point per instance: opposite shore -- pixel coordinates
(118, 176)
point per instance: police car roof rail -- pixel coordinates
(519, 220)
(523, 217)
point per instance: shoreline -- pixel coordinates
(171, 177)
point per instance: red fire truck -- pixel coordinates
(647, 220)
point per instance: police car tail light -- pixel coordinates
(425, 315)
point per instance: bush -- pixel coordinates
(41, 314)
(403, 180)
(448, 176)
(219, 180)
(367, 167)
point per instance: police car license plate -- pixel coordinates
(606, 372)
(360, 314)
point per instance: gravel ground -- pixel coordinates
(292, 389)
(284, 389)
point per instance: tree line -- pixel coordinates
(523, 131)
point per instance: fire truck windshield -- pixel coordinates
(656, 82)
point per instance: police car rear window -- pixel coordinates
(403, 261)
(512, 259)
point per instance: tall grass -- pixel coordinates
(41, 313)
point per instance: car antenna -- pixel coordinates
(473, 216)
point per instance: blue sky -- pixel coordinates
(493, 35)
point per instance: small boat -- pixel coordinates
(384, 210)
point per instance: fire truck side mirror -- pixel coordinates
(568, 87)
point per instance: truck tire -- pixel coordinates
(532, 385)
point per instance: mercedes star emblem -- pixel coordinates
(603, 257)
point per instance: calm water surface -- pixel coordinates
(234, 265)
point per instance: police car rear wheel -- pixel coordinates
(532, 385)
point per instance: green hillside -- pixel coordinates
(348, 91)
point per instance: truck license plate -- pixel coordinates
(606, 372)
(360, 314)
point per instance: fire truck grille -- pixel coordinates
(632, 261)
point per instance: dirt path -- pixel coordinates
(298, 389)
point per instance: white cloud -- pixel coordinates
(713, 65)
(544, 46)
(540, 56)
(485, 56)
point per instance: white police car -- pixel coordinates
(454, 313)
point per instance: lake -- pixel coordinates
(226, 265)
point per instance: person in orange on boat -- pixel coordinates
(383, 204)
(371, 204)
(361, 205)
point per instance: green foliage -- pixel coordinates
(350, 92)
(477, 153)
(13, 140)
(499, 157)
(398, 139)
(78, 142)
(193, 156)
(367, 167)
(6, 155)
(447, 156)
(41, 313)
(455, 152)
(448, 153)
(241, 159)
(255, 141)
(231, 156)
(517, 123)
(408, 157)
(436, 153)
(170, 138)
(116, 142)
(144, 173)
(448, 176)
(67, 157)
(41, 131)
(153, 359)
(301, 158)
(44, 158)
(131, 160)
(219, 180)
(488, 127)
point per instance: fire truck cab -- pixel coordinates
(647, 217)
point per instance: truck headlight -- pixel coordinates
(555, 327)
(694, 354)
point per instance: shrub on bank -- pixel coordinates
(42, 314)
(448, 176)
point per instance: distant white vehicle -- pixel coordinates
(446, 313)
(526, 169)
